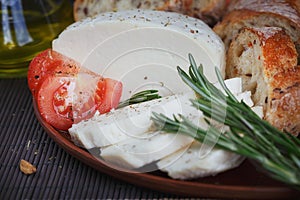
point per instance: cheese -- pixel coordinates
(137, 152)
(144, 46)
(233, 84)
(127, 137)
(131, 121)
(192, 163)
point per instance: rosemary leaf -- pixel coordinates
(248, 135)
(140, 97)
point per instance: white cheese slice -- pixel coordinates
(131, 121)
(143, 48)
(246, 97)
(259, 110)
(111, 128)
(137, 152)
(235, 87)
(190, 163)
(201, 160)
(233, 84)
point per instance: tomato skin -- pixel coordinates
(61, 102)
(111, 95)
(46, 63)
(67, 93)
(44, 100)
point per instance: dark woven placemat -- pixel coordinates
(59, 175)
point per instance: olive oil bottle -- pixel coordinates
(27, 28)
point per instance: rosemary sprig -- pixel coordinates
(140, 97)
(247, 134)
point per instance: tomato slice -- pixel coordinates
(49, 62)
(67, 93)
(111, 96)
(57, 114)
(64, 100)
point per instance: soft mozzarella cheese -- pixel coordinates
(140, 150)
(131, 121)
(235, 87)
(233, 84)
(192, 163)
(127, 138)
(137, 152)
(143, 48)
(201, 160)
(259, 110)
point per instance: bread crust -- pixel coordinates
(210, 11)
(256, 13)
(284, 106)
(272, 75)
(289, 9)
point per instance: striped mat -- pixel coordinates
(58, 175)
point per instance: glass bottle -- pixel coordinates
(27, 28)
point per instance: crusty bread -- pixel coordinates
(209, 11)
(258, 13)
(266, 59)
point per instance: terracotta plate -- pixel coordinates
(244, 182)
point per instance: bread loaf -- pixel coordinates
(209, 11)
(266, 59)
(258, 13)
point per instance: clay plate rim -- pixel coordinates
(158, 182)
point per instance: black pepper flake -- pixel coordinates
(36, 76)
(192, 31)
(266, 100)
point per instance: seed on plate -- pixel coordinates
(26, 167)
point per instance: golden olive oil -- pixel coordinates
(43, 19)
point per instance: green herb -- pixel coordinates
(246, 134)
(140, 97)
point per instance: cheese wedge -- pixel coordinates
(126, 136)
(193, 163)
(143, 48)
(131, 121)
(137, 152)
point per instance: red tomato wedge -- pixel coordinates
(50, 63)
(55, 111)
(63, 101)
(111, 96)
(67, 93)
